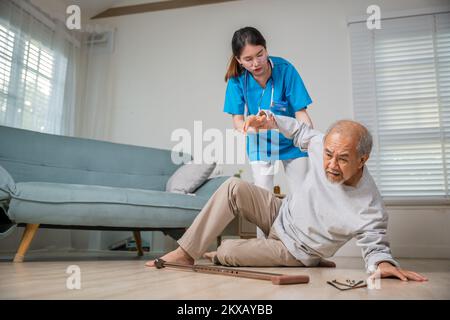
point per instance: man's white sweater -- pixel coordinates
(321, 216)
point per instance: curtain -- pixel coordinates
(97, 83)
(94, 110)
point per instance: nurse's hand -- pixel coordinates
(259, 122)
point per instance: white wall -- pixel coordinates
(169, 65)
(169, 68)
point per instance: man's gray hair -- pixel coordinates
(365, 142)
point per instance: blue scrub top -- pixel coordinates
(290, 96)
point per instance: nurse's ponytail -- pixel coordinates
(241, 38)
(234, 68)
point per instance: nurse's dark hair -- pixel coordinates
(241, 38)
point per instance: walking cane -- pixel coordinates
(276, 278)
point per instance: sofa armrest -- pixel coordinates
(210, 186)
(6, 226)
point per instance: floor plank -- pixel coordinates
(124, 276)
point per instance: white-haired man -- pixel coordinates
(337, 201)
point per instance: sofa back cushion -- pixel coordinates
(189, 177)
(33, 156)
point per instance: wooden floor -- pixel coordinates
(124, 276)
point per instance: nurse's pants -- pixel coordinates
(234, 198)
(264, 172)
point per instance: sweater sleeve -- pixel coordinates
(374, 243)
(299, 132)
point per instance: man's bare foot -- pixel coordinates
(326, 264)
(178, 256)
(210, 255)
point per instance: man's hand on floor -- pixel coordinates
(385, 269)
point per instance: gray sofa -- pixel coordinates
(74, 183)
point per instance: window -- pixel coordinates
(6, 56)
(401, 92)
(33, 71)
(36, 78)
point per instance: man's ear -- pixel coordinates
(363, 161)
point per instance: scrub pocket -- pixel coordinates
(279, 107)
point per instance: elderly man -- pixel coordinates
(337, 201)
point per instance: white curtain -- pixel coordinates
(94, 110)
(37, 70)
(96, 83)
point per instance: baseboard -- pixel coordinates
(401, 251)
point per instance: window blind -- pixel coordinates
(6, 55)
(401, 92)
(36, 83)
(36, 77)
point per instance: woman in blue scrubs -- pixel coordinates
(257, 81)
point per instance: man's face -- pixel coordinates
(340, 158)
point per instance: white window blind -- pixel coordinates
(401, 92)
(6, 56)
(33, 71)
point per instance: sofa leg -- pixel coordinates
(138, 239)
(27, 237)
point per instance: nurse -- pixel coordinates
(257, 81)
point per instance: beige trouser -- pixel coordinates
(237, 197)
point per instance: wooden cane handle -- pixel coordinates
(286, 279)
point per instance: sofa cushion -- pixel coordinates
(7, 185)
(87, 205)
(189, 177)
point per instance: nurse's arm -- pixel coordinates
(303, 116)
(238, 122)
